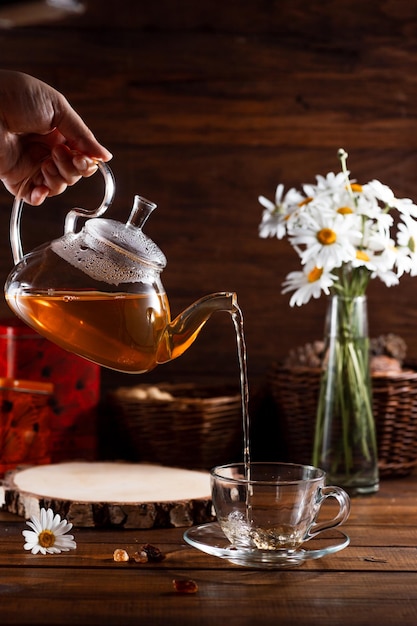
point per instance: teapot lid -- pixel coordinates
(113, 252)
(129, 238)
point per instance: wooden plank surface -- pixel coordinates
(373, 581)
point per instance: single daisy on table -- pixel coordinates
(48, 534)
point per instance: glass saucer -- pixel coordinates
(209, 538)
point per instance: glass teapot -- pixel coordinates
(98, 293)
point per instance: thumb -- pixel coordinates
(77, 134)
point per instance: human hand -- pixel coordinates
(44, 144)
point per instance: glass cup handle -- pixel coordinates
(344, 509)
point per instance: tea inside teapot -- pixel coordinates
(120, 331)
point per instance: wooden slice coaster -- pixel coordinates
(107, 494)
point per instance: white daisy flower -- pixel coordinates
(367, 206)
(386, 195)
(310, 283)
(407, 244)
(328, 243)
(379, 191)
(275, 214)
(331, 183)
(406, 206)
(380, 264)
(389, 278)
(376, 238)
(48, 534)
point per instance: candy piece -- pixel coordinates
(140, 557)
(120, 555)
(185, 585)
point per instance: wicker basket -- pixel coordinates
(198, 428)
(295, 394)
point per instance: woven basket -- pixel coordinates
(198, 428)
(295, 393)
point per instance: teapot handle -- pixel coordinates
(109, 190)
(15, 219)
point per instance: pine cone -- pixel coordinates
(389, 345)
(309, 355)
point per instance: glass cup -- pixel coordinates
(273, 506)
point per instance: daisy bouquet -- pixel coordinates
(344, 234)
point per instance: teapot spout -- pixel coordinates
(184, 329)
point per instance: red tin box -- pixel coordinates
(26, 355)
(25, 423)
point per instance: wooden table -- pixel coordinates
(373, 581)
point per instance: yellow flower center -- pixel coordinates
(315, 274)
(326, 236)
(361, 255)
(344, 210)
(412, 244)
(305, 201)
(46, 538)
(356, 187)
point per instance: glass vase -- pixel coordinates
(345, 443)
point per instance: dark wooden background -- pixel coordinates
(206, 105)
